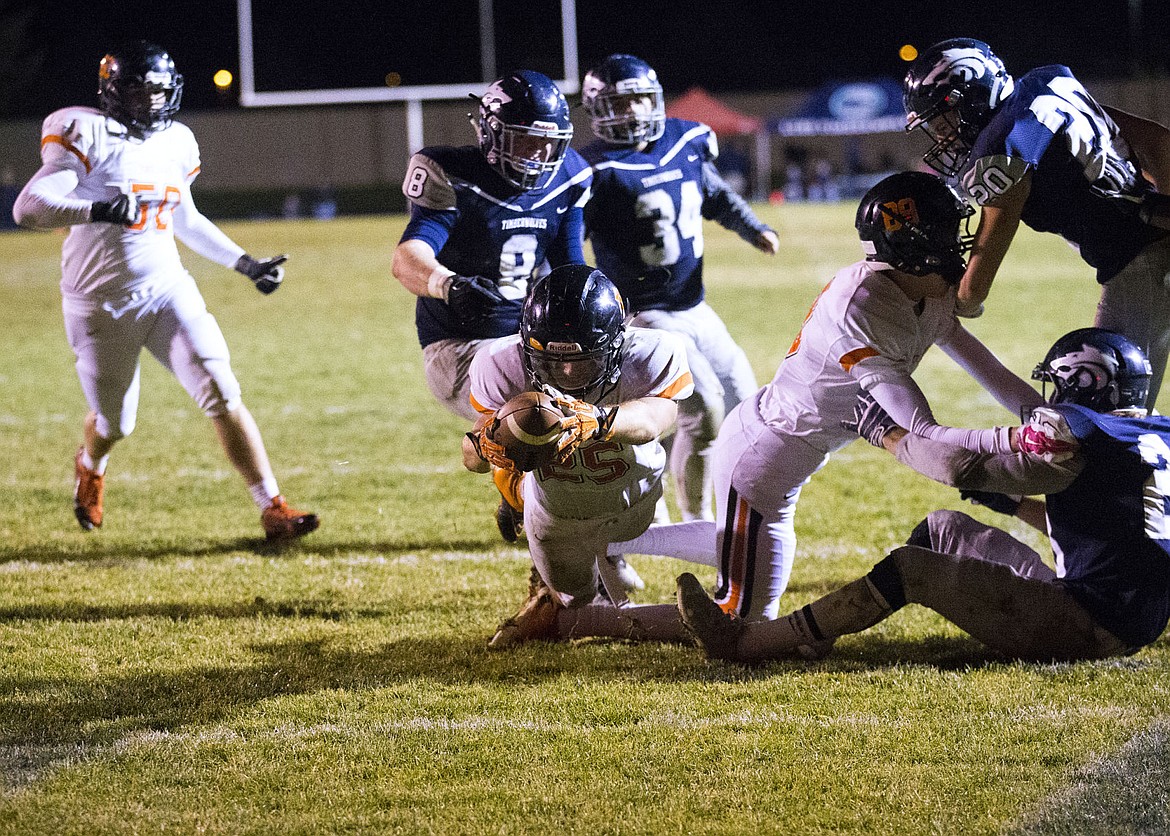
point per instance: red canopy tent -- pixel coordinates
(698, 105)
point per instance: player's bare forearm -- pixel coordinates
(414, 265)
(643, 420)
(997, 228)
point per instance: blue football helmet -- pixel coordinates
(624, 100)
(524, 128)
(915, 222)
(951, 92)
(572, 330)
(1096, 368)
(139, 87)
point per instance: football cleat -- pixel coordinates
(716, 631)
(536, 620)
(284, 523)
(87, 494)
(509, 521)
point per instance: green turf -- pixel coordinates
(172, 674)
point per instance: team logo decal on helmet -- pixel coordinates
(1096, 368)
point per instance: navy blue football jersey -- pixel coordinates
(1110, 529)
(645, 216)
(480, 225)
(1051, 126)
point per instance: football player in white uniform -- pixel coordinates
(619, 389)
(120, 179)
(868, 330)
(1101, 460)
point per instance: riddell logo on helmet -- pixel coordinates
(563, 348)
(897, 211)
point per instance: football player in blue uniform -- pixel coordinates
(1041, 150)
(1104, 465)
(654, 181)
(483, 219)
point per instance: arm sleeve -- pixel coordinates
(900, 396)
(44, 202)
(194, 229)
(722, 205)
(1011, 473)
(568, 247)
(1012, 392)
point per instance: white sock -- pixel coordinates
(693, 541)
(264, 492)
(98, 467)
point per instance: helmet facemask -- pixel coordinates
(629, 117)
(566, 367)
(523, 128)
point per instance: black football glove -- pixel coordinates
(121, 210)
(471, 299)
(1000, 502)
(266, 274)
(870, 421)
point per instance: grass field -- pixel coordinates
(172, 674)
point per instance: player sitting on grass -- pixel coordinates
(1104, 465)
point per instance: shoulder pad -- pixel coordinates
(427, 184)
(990, 177)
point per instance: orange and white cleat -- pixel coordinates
(88, 491)
(284, 523)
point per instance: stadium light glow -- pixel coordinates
(393, 79)
(908, 52)
(223, 79)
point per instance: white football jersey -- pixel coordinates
(602, 477)
(109, 260)
(862, 329)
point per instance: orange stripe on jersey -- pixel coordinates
(70, 147)
(854, 357)
(673, 389)
(194, 171)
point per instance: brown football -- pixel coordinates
(527, 427)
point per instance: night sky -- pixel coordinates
(52, 49)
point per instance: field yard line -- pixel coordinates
(1128, 792)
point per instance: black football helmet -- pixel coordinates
(951, 92)
(1096, 368)
(572, 330)
(524, 128)
(624, 100)
(138, 86)
(915, 223)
